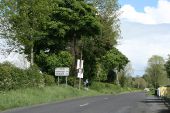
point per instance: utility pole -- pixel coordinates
(80, 69)
(117, 78)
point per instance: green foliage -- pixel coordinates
(122, 80)
(31, 96)
(107, 88)
(72, 80)
(27, 22)
(49, 28)
(140, 83)
(167, 66)
(35, 78)
(69, 21)
(12, 77)
(49, 79)
(5, 78)
(101, 73)
(48, 62)
(114, 59)
(155, 72)
(102, 43)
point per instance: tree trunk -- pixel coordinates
(73, 51)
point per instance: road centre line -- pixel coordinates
(84, 104)
(106, 98)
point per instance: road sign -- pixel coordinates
(62, 71)
(80, 73)
(80, 64)
(80, 70)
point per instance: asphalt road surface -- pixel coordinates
(125, 103)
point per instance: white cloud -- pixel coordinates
(141, 41)
(151, 15)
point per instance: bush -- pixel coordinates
(12, 77)
(35, 78)
(49, 79)
(73, 81)
(5, 78)
(106, 87)
(19, 78)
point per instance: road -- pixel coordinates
(137, 102)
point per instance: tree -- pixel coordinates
(52, 25)
(107, 11)
(27, 19)
(156, 71)
(48, 63)
(140, 82)
(125, 74)
(71, 21)
(167, 66)
(114, 59)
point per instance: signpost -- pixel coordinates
(80, 70)
(62, 71)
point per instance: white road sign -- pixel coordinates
(80, 73)
(62, 71)
(80, 64)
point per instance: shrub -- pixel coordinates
(49, 79)
(12, 77)
(35, 78)
(19, 78)
(5, 78)
(73, 81)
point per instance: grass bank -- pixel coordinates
(32, 96)
(106, 88)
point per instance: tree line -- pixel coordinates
(55, 33)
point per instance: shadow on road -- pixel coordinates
(167, 103)
(155, 100)
(158, 101)
(164, 111)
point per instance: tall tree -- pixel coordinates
(167, 66)
(27, 19)
(125, 75)
(140, 82)
(156, 71)
(71, 22)
(114, 59)
(107, 11)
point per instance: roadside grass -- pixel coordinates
(151, 92)
(107, 88)
(32, 96)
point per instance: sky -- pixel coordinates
(145, 26)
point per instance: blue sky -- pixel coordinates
(145, 28)
(139, 4)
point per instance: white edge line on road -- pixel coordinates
(84, 104)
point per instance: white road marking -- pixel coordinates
(105, 98)
(84, 104)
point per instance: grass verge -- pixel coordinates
(32, 96)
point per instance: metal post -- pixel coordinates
(58, 80)
(66, 81)
(79, 83)
(117, 78)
